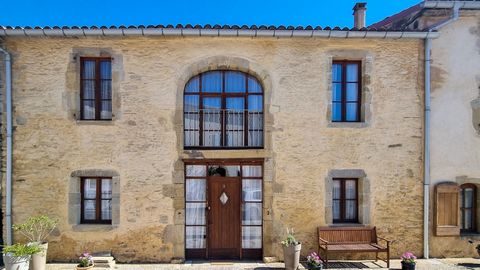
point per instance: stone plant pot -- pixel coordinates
(408, 266)
(291, 257)
(16, 263)
(85, 268)
(320, 267)
(39, 260)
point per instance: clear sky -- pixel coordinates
(146, 12)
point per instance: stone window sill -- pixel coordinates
(346, 225)
(93, 227)
(96, 122)
(348, 124)
(470, 234)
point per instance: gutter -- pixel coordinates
(452, 4)
(197, 32)
(8, 185)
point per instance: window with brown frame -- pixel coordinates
(346, 91)
(468, 197)
(96, 200)
(223, 109)
(345, 200)
(96, 88)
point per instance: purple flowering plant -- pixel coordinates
(408, 257)
(313, 260)
(85, 260)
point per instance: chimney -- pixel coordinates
(359, 11)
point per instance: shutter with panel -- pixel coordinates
(447, 208)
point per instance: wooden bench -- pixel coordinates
(350, 240)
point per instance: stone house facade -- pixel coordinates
(134, 138)
(455, 120)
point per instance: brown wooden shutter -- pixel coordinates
(447, 206)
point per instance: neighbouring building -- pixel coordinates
(455, 120)
(162, 142)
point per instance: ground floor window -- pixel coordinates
(467, 207)
(96, 199)
(224, 210)
(345, 200)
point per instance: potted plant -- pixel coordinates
(17, 257)
(408, 261)
(85, 261)
(291, 251)
(314, 262)
(36, 230)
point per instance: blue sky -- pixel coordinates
(135, 12)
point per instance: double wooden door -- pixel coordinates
(224, 235)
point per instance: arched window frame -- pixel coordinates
(253, 119)
(463, 208)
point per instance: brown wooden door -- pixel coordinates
(224, 217)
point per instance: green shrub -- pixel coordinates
(22, 250)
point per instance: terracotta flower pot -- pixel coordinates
(291, 256)
(85, 268)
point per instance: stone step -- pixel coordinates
(103, 260)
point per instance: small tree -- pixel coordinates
(37, 229)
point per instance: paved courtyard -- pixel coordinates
(432, 264)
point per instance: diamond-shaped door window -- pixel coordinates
(223, 198)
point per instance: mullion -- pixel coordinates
(97, 90)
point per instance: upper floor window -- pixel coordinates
(223, 109)
(96, 88)
(345, 200)
(96, 194)
(346, 91)
(468, 207)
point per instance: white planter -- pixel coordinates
(39, 260)
(291, 256)
(16, 263)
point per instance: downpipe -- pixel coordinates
(426, 159)
(8, 185)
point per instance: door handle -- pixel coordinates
(208, 208)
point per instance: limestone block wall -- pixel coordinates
(455, 141)
(142, 147)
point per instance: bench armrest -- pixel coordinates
(386, 240)
(322, 240)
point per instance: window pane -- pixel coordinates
(106, 89)
(193, 85)
(195, 237)
(232, 170)
(351, 210)
(106, 112)
(88, 69)
(255, 138)
(212, 81)
(105, 70)
(88, 109)
(252, 214)
(235, 121)
(88, 90)
(350, 189)
(192, 103)
(212, 121)
(251, 171)
(195, 190)
(195, 213)
(235, 81)
(196, 170)
(352, 112)
(467, 219)
(336, 209)
(337, 92)
(336, 73)
(251, 237)
(212, 104)
(106, 188)
(89, 210)
(352, 72)
(106, 209)
(252, 190)
(336, 111)
(254, 86)
(336, 189)
(352, 92)
(90, 188)
(468, 197)
(255, 103)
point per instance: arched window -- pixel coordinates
(223, 109)
(468, 197)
